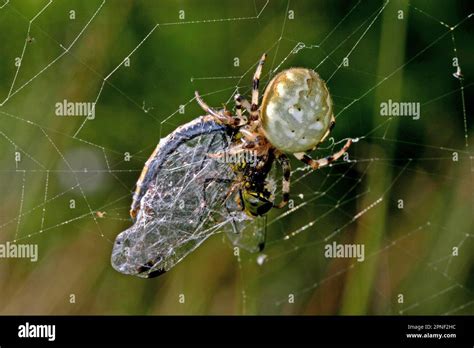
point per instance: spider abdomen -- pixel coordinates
(296, 110)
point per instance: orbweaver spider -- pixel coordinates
(295, 116)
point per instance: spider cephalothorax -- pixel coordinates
(295, 116)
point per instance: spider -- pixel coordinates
(295, 116)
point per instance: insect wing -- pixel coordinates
(187, 202)
(250, 237)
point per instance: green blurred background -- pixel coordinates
(408, 249)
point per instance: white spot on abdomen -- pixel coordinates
(317, 126)
(289, 134)
(297, 114)
(290, 76)
(271, 109)
(281, 89)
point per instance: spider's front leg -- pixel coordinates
(241, 102)
(219, 116)
(285, 190)
(322, 162)
(252, 108)
(255, 83)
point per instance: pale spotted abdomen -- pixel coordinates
(296, 110)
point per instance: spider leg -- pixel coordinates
(248, 135)
(255, 83)
(285, 166)
(242, 103)
(322, 162)
(221, 117)
(238, 104)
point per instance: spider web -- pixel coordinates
(404, 191)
